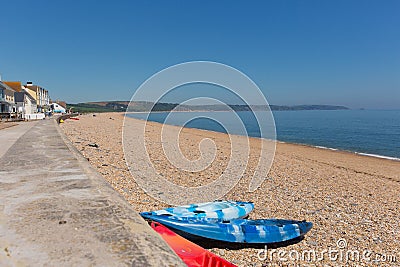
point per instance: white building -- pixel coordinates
(57, 108)
(7, 102)
(26, 104)
(40, 94)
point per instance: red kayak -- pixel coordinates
(74, 118)
(191, 254)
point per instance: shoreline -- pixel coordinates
(345, 151)
(365, 154)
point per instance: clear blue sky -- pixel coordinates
(343, 52)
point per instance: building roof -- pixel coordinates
(62, 103)
(33, 100)
(35, 87)
(5, 86)
(19, 97)
(14, 85)
(32, 87)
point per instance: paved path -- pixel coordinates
(55, 210)
(9, 136)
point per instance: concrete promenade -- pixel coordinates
(56, 210)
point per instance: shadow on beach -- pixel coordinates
(211, 243)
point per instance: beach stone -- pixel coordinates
(312, 243)
(93, 145)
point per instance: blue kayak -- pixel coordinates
(223, 210)
(239, 230)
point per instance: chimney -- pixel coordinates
(29, 84)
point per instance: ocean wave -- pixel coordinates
(343, 150)
(360, 153)
(329, 148)
(377, 156)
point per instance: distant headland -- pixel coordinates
(142, 106)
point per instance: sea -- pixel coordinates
(373, 133)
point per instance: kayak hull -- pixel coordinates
(239, 230)
(191, 254)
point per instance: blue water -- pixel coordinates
(364, 131)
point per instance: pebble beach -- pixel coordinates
(352, 200)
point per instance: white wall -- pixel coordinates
(36, 116)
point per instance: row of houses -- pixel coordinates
(26, 101)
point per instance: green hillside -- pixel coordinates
(142, 106)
